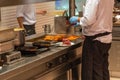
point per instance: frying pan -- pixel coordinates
(42, 44)
(28, 50)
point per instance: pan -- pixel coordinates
(42, 44)
(28, 50)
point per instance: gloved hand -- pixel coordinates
(77, 24)
(74, 20)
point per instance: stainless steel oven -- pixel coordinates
(64, 67)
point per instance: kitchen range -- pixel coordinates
(27, 59)
(48, 63)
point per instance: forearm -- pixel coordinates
(42, 12)
(78, 19)
(20, 22)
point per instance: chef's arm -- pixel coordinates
(78, 19)
(42, 12)
(20, 21)
(74, 20)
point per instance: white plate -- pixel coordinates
(61, 44)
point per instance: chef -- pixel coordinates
(26, 16)
(96, 27)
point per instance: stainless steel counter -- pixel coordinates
(28, 67)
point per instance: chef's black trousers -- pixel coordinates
(30, 29)
(95, 60)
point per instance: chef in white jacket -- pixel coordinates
(26, 16)
(96, 27)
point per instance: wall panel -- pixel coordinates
(8, 15)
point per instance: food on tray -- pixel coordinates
(61, 44)
(66, 41)
(49, 37)
(72, 37)
(59, 37)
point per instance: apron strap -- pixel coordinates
(97, 35)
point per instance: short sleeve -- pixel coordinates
(20, 11)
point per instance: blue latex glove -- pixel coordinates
(77, 24)
(74, 20)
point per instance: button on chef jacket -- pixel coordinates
(97, 18)
(28, 12)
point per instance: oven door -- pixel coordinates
(58, 74)
(61, 72)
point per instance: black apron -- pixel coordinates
(92, 53)
(30, 29)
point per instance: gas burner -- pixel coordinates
(31, 50)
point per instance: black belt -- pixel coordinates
(97, 35)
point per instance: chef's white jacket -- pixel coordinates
(28, 13)
(97, 18)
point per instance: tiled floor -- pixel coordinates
(114, 56)
(114, 60)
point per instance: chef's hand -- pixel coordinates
(42, 12)
(74, 20)
(77, 24)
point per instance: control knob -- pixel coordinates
(49, 65)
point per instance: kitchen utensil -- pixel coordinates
(47, 28)
(20, 37)
(42, 44)
(28, 50)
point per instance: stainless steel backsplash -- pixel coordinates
(60, 24)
